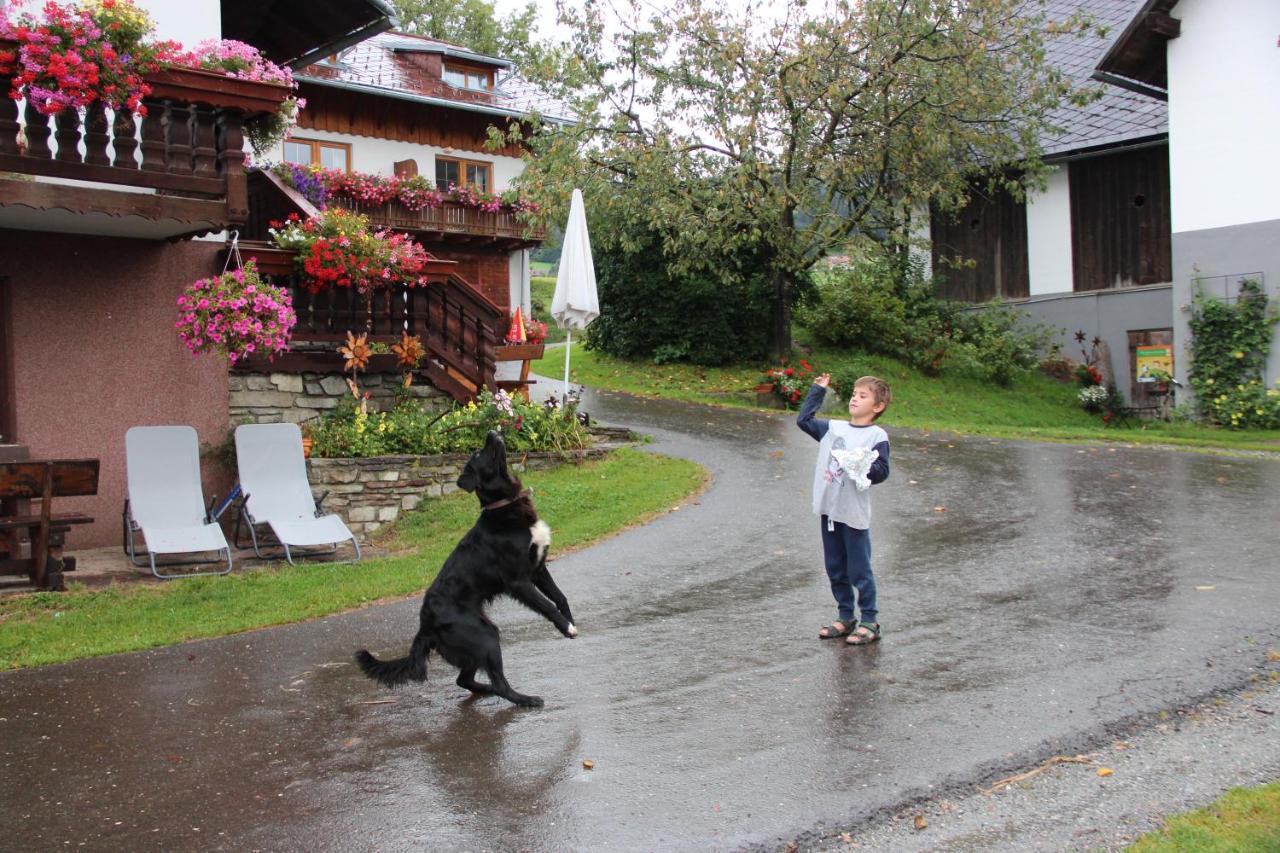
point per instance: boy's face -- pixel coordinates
(863, 407)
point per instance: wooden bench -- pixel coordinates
(46, 530)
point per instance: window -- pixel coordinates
(462, 77)
(313, 152)
(463, 173)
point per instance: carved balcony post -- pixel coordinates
(96, 137)
(231, 159)
(153, 134)
(178, 139)
(67, 122)
(37, 130)
(9, 125)
(204, 152)
(125, 132)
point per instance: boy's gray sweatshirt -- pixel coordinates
(834, 494)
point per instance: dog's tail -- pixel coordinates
(393, 673)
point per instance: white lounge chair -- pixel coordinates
(166, 503)
(273, 482)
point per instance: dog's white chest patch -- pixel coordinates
(541, 534)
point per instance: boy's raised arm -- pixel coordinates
(812, 402)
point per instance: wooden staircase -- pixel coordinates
(457, 324)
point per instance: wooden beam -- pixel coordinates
(1164, 25)
(75, 199)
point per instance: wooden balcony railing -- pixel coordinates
(451, 222)
(189, 149)
(458, 326)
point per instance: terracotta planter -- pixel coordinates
(307, 441)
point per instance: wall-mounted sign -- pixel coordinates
(1150, 359)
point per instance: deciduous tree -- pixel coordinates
(470, 23)
(792, 130)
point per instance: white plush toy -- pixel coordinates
(856, 464)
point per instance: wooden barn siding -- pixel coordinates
(992, 232)
(1116, 242)
(340, 111)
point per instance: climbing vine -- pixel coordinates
(1229, 348)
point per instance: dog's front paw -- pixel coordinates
(572, 632)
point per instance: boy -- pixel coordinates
(851, 458)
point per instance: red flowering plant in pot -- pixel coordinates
(73, 55)
(790, 382)
(535, 331)
(337, 249)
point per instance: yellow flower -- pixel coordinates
(1209, 381)
(1238, 354)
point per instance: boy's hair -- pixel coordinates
(879, 390)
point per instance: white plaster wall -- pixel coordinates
(518, 266)
(1049, 236)
(378, 156)
(1224, 113)
(187, 21)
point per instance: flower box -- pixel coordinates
(519, 352)
(215, 89)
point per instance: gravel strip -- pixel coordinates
(1183, 760)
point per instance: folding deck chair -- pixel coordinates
(273, 480)
(166, 503)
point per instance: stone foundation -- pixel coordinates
(269, 398)
(370, 493)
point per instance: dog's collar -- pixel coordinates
(507, 501)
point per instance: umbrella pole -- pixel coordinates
(568, 342)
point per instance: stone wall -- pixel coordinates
(268, 398)
(370, 493)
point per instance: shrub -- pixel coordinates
(885, 303)
(1247, 405)
(998, 342)
(1229, 347)
(409, 430)
(709, 317)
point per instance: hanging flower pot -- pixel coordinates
(236, 314)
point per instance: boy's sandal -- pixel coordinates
(863, 634)
(831, 632)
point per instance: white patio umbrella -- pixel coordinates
(575, 303)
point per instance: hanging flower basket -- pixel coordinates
(236, 314)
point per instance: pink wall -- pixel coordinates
(95, 353)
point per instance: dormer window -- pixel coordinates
(467, 77)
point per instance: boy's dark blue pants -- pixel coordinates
(847, 553)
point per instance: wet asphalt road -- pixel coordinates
(1034, 598)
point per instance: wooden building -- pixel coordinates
(105, 219)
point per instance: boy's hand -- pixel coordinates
(823, 381)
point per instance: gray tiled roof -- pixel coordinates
(380, 63)
(1119, 115)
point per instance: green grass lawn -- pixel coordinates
(1035, 407)
(541, 289)
(582, 503)
(1244, 820)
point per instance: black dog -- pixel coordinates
(504, 552)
